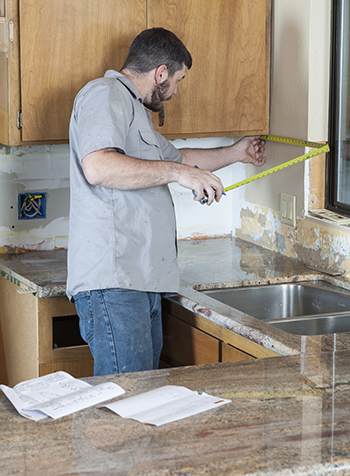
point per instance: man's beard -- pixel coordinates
(159, 95)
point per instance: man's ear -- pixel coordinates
(161, 74)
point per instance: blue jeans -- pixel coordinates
(123, 329)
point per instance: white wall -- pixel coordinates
(299, 94)
(200, 221)
(299, 108)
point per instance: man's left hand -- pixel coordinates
(251, 150)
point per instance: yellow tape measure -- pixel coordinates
(320, 149)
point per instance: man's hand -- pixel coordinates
(203, 183)
(250, 150)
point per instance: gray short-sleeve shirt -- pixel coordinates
(118, 239)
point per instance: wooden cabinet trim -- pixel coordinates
(47, 309)
(19, 329)
(230, 354)
(80, 368)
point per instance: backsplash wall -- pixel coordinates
(35, 169)
(40, 169)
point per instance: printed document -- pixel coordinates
(165, 404)
(57, 395)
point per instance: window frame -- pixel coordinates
(332, 166)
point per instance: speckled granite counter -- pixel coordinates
(43, 272)
(288, 416)
(212, 262)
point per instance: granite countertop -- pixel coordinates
(207, 263)
(288, 415)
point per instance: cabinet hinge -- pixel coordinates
(19, 119)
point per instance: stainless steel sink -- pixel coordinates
(304, 308)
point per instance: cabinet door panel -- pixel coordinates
(227, 88)
(64, 44)
(186, 345)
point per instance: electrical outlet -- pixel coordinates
(31, 205)
(288, 209)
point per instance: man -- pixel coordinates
(122, 239)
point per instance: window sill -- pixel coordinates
(329, 219)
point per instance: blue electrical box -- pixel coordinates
(31, 205)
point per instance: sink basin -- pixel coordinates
(315, 325)
(303, 308)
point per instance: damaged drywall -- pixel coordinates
(36, 169)
(323, 245)
(261, 225)
(299, 109)
(312, 241)
(46, 169)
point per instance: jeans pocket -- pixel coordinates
(84, 309)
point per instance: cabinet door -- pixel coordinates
(227, 89)
(186, 345)
(63, 45)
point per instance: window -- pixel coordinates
(338, 196)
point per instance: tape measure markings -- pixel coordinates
(320, 149)
(291, 141)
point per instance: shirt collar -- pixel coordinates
(125, 81)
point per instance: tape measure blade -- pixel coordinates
(291, 141)
(302, 158)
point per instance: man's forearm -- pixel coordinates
(208, 159)
(249, 150)
(111, 169)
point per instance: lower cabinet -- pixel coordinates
(41, 335)
(38, 336)
(190, 339)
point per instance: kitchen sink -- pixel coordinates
(303, 308)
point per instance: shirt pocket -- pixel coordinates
(149, 147)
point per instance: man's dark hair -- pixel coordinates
(154, 47)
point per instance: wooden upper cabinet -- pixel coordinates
(63, 45)
(51, 48)
(55, 47)
(226, 92)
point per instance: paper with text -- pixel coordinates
(165, 404)
(57, 395)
